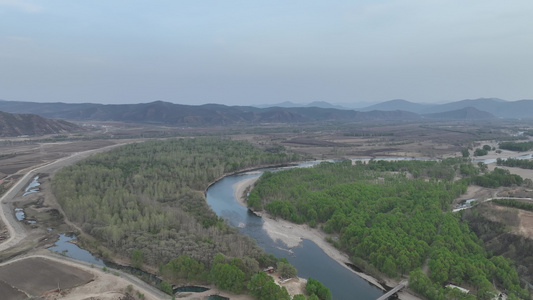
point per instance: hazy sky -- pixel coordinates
(253, 52)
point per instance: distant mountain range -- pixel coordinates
(522, 109)
(30, 124)
(399, 104)
(287, 104)
(160, 112)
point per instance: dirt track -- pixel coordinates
(39, 283)
(15, 229)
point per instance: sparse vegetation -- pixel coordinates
(514, 203)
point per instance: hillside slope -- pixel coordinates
(159, 112)
(463, 114)
(29, 124)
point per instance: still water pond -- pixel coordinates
(65, 247)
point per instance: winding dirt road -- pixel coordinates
(17, 233)
(15, 229)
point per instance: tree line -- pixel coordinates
(498, 177)
(242, 274)
(514, 203)
(513, 162)
(516, 146)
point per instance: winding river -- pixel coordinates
(308, 258)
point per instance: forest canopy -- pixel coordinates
(150, 197)
(394, 217)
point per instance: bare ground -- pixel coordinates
(525, 227)
(36, 275)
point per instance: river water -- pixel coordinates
(308, 258)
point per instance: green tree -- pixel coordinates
(314, 287)
(227, 277)
(136, 258)
(263, 287)
(286, 270)
(166, 287)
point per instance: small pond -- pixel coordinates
(65, 247)
(19, 214)
(33, 187)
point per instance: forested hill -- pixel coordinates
(395, 217)
(160, 112)
(467, 113)
(29, 124)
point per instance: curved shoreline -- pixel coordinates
(293, 234)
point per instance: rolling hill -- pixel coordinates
(468, 113)
(159, 112)
(165, 113)
(398, 104)
(30, 124)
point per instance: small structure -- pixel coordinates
(451, 286)
(282, 281)
(400, 286)
(269, 270)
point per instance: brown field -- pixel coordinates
(35, 276)
(21, 156)
(10, 293)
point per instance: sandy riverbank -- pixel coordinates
(293, 234)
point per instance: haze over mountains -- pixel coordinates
(497, 107)
(159, 112)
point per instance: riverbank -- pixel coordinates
(293, 234)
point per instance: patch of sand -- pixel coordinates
(293, 234)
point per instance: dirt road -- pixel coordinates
(17, 233)
(15, 229)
